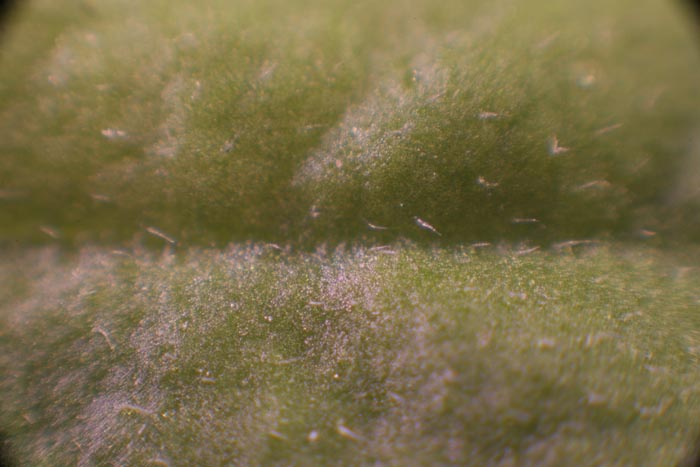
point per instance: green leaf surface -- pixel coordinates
(396, 233)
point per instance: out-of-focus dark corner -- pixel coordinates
(6, 457)
(694, 6)
(6, 9)
(692, 456)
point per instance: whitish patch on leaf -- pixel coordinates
(346, 432)
(173, 126)
(114, 133)
(608, 129)
(485, 183)
(160, 234)
(555, 149)
(424, 225)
